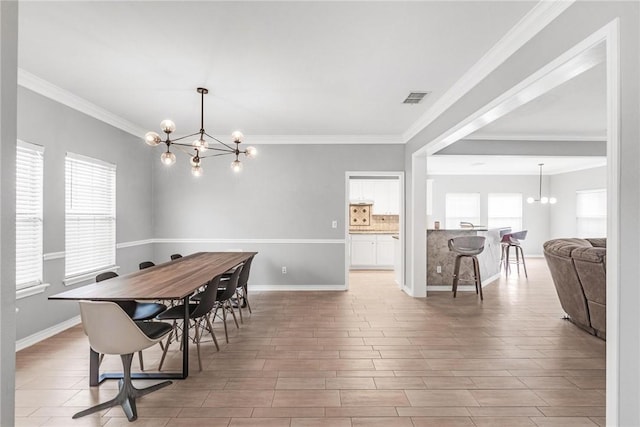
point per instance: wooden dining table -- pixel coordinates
(174, 280)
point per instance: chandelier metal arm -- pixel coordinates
(220, 142)
(184, 137)
(226, 153)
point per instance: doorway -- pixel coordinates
(374, 226)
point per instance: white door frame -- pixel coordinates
(533, 86)
(401, 234)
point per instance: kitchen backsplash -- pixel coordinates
(383, 223)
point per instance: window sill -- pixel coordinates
(31, 290)
(70, 281)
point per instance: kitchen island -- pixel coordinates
(440, 261)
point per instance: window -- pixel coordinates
(591, 213)
(461, 207)
(90, 215)
(29, 183)
(505, 210)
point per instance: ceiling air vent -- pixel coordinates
(415, 97)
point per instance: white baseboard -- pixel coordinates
(23, 343)
(267, 288)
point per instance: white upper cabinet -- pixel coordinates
(384, 193)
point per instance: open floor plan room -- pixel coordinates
(370, 356)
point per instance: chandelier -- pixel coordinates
(199, 145)
(542, 199)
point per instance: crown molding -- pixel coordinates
(521, 137)
(325, 139)
(63, 96)
(543, 13)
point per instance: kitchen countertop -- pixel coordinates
(373, 232)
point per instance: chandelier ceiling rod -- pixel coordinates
(541, 199)
(200, 145)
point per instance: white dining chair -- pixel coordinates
(111, 331)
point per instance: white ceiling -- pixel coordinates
(272, 68)
(574, 110)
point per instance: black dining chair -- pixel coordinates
(223, 300)
(137, 311)
(146, 264)
(242, 297)
(198, 313)
(175, 257)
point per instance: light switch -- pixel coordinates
(334, 224)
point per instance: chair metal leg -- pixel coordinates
(140, 360)
(507, 262)
(517, 259)
(127, 393)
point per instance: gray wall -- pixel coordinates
(290, 193)
(535, 217)
(564, 187)
(61, 129)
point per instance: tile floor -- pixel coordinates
(371, 356)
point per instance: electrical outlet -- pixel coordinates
(439, 269)
(284, 270)
(334, 224)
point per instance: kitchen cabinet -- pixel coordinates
(384, 193)
(363, 250)
(374, 251)
(386, 197)
(384, 250)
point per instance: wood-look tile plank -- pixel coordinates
(301, 358)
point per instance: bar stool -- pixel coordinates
(467, 247)
(512, 240)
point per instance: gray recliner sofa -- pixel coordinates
(578, 268)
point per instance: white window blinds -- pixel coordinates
(505, 210)
(462, 207)
(90, 215)
(29, 183)
(591, 213)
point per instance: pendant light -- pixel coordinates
(542, 199)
